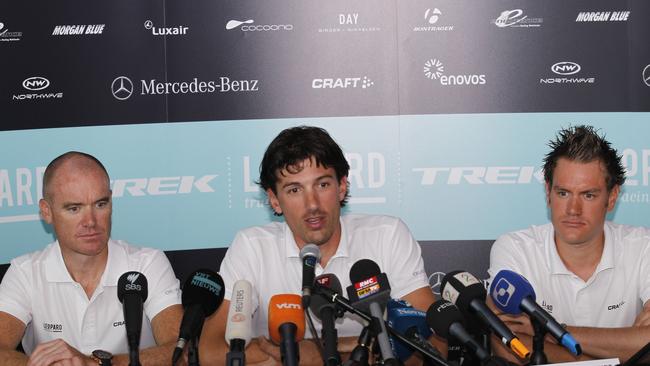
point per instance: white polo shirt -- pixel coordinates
(268, 257)
(612, 297)
(38, 290)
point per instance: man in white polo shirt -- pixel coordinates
(589, 273)
(62, 301)
(304, 173)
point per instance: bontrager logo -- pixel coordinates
(431, 18)
(249, 26)
(342, 83)
(435, 70)
(132, 277)
(165, 31)
(79, 29)
(122, 88)
(602, 16)
(36, 83)
(515, 18)
(565, 68)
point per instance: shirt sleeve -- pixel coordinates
(15, 294)
(240, 263)
(164, 288)
(644, 270)
(503, 255)
(406, 268)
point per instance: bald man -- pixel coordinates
(62, 300)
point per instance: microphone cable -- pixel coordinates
(314, 333)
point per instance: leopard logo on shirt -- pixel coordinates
(53, 327)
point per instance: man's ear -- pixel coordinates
(343, 187)
(613, 196)
(274, 202)
(547, 189)
(46, 211)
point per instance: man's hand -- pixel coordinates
(644, 316)
(58, 352)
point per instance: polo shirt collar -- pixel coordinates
(115, 266)
(558, 267)
(291, 248)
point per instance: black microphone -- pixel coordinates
(468, 294)
(327, 312)
(202, 294)
(239, 328)
(370, 288)
(310, 255)
(446, 320)
(132, 293)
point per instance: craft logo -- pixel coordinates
(602, 16)
(434, 69)
(7, 36)
(567, 68)
(645, 75)
(122, 88)
(79, 29)
(431, 21)
(180, 30)
(250, 26)
(36, 83)
(342, 83)
(348, 22)
(515, 18)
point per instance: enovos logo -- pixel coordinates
(515, 18)
(431, 17)
(342, 83)
(250, 26)
(36, 83)
(565, 68)
(434, 70)
(165, 31)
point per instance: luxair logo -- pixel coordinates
(435, 70)
(479, 175)
(287, 305)
(165, 31)
(567, 68)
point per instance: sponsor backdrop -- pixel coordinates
(442, 108)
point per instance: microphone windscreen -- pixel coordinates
(318, 301)
(132, 283)
(286, 308)
(508, 289)
(363, 269)
(441, 315)
(240, 325)
(203, 287)
(310, 250)
(406, 320)
(461, 288)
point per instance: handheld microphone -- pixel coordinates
(203, 293)
(512, 294)
(287, 326)
(239, 327)
(447, 321)
(370, 289)
(132, 293)
(411, 323)
(327, 312)
(309, 255)
(468, 294)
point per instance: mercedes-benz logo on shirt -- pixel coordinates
(646, 75)
(122, 88)
(435, 280)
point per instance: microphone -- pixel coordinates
(327, 312)
(203, 293)
(239, 327)
(309, 255)
(447, 321)
(512, 294)
(370, 289)
(468, 294)
(406, 320)
(132, 293)
(287, 326)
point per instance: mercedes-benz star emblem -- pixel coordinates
(435, 280)
(122, 88)
(646, 75)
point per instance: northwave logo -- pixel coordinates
(566, 68)
(36, 83)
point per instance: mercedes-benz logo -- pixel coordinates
(435, 280)
(122, 88)
(646, 75)
(148, 24)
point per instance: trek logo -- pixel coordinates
(36, 83)
(602, 16)
(565, 68)
(157, 186)
(53, 328)
(288, 305)
(616, 306)
(168, 31)
(503, 291)
(480, 175)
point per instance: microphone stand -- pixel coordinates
(330, 335)
(361, 353)
(538, 357)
